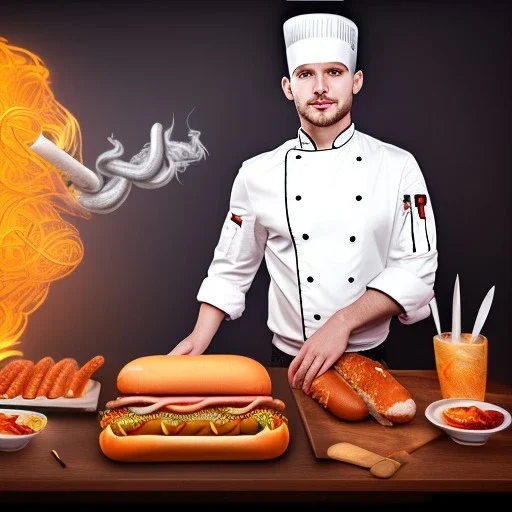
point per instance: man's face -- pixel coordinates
(322, 92)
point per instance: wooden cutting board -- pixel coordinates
(324, 429)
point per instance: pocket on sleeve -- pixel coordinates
(227, 236)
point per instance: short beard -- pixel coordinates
(322, 120)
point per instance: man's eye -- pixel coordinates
(335, 72)
(303, 74)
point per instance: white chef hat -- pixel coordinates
(319, 37)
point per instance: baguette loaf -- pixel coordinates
(388, 401)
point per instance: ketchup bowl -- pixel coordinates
(18, 427)
(468, 412)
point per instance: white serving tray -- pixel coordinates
(86, 403)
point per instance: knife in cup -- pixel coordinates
(456, 322)
(435, 314)
(482, 314)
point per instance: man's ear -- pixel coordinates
(358, 82)
(287, 87)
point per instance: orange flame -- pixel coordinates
(37, 246)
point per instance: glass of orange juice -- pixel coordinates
(461, 365)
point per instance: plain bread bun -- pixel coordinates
(205, 374)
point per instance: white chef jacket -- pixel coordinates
(330, 223)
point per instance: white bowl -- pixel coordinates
(15, 442)
(434, 413)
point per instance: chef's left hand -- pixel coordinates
(318, 353)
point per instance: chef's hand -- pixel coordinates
(207, 324)
(318, 354)
(192, 345)
(328, 344)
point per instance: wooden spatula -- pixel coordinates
(381, 467)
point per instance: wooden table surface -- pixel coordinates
(442, 467)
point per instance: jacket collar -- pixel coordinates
(305, 142)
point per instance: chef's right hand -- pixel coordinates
(192, 345)
(207, 324)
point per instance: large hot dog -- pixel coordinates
(357, 386)
(192, 408)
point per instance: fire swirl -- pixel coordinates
(42, 178)
(37, 246)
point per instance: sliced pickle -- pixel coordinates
(150, 427)
(118, 429)
(196, 428)
(236, 431)
(171, 430)
(224, 429)
(249, 426)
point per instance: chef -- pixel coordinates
(343, 220)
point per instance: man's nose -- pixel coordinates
(320, 85)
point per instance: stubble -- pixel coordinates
(324, 119)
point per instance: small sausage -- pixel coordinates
(39, 371)
(17, 384)
(82, 376)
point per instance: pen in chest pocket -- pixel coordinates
(420, 201)
(407, 206)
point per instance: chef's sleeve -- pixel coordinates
(236, 257)
(411, 264)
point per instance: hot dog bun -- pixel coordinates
(334, 393)
(267, 444)
(212, 374)
(388, 401)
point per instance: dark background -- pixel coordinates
(437, 83)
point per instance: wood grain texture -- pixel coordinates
(441, 466)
